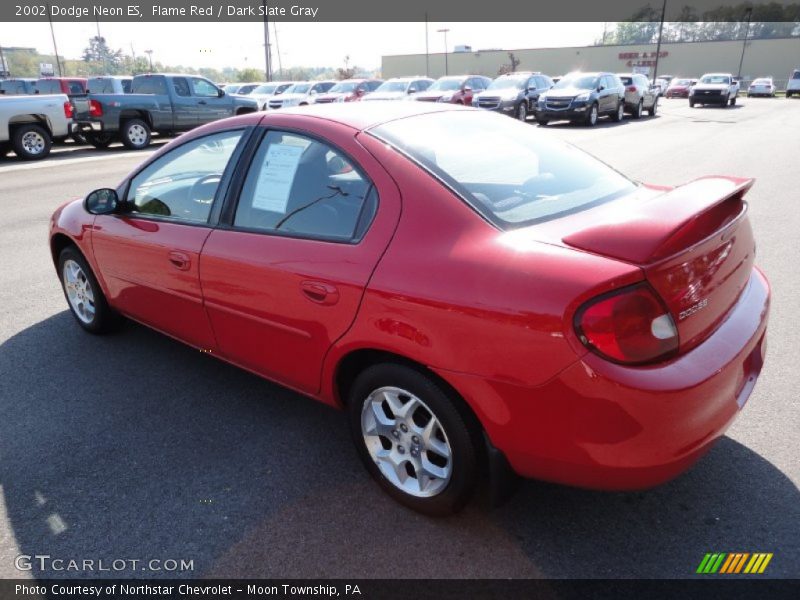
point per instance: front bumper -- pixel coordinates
(86, 127)
(575, 112)
(506, 107)
(709, 99)
(606, 426)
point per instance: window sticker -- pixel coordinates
(276, 177)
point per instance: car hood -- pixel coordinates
(507, 93)
(711, 86)
(566, 92)
(434, 94)
(293, 96)
(332, 95)
(384, 95)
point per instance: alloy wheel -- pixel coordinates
(79, 291)
(137, 135)
(33, 142)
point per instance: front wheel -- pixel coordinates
(522, 112)
(135, 134)
(733, 101)
(542, 122)
(85, 298)
(100, 140)
(413, 439)
(691, 103)
(591, 116)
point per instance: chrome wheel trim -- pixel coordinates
(410, 447)
(137, 134)
(79, 291)
(33, 142)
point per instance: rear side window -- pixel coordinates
(76, 87)
(126, 86)
(149, 85)
(46, 86)
(302, 187)
(518, 177)
(181, 185)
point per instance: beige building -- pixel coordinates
(762, 58)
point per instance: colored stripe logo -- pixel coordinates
(734, 562)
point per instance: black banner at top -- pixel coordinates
(403, 11)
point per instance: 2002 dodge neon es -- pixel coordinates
(463, 285)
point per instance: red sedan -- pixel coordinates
(469, 290)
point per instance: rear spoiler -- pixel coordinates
(660, 226)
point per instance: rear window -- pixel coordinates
(627, 80)
(509, 172)
(796, 75)
(149, 85)
(46, 86)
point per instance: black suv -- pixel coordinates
(514, 94)
(582, 97)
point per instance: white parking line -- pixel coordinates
(70, 161)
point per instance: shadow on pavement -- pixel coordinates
(133, 446)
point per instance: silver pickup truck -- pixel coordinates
(29, 124)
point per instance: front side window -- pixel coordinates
(203, 88)
(303, 187)
(182, 184)
(518, 178)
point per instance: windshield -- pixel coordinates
(344, 87)
(505, 83)
(299, 88)
(680, 82)
(393, 86)
(446, 85)
(231, 88)
(762, 82)
(266, 89)
(518, 178)
(246, 89)
(582, 82)
(719, 79)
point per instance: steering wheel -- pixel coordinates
(198, 194)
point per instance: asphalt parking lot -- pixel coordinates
(134, 446)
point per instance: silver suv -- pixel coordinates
(640, 96)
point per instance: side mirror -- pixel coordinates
(220, 93)
(360, 92)
(412, 90)
(467, 89)
(102, 202)
(313, 93)
(600, 88)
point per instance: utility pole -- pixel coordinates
(150, 55)
(53, 35)
(749, 12)
(444, 31)
(427, 53)
(277, 48)
(267, 57)
(658, 46)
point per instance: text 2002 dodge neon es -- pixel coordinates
(522, 300)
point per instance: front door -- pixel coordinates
(210, 105)
(285, 279)
(149, 256)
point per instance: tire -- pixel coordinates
(31, 141)
(620, 112)
(84, 296)
(5, 148)
(725, 104)
(691, 103)
(788, 94)
(135, 134)
(79, 138)
(542, 122)
(653, 109)
(393, 448)
(637, 113)
(733, 101)
(522, 111)
(100, 141)
(591, 116)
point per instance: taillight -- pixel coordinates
(69, 112)
(631, 88)
(95, 109)
(630, 326)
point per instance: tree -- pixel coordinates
(101, 58)
(249, 74)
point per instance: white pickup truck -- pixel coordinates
(714, 88)
(29, 124)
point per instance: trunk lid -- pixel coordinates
(694, 244)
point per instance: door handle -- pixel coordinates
(203, 102)
(180, 260)
(320, 292)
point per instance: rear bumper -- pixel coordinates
(606, 426)
(86, 127)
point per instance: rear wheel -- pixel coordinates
(542, 122)
(637, 112)
(653, 109)
(413, 439)
(31, 141)
(135, 134)
(84, 295)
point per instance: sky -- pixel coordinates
(241, 45)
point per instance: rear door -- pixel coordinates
(149, 257)
(284, 273)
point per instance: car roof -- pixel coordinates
(362, 116)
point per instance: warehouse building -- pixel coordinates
(764, 57)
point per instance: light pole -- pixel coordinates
(150, 56)
(267, 46)
(53, 35)
(749, 12)
(444, 31)
(658, 46)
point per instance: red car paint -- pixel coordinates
(488, 311)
